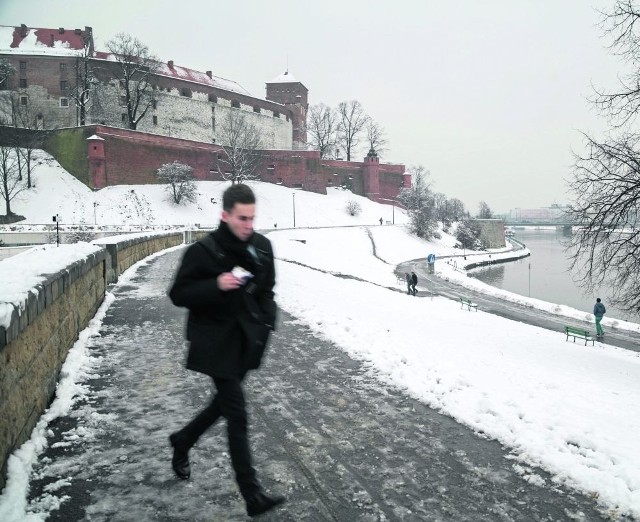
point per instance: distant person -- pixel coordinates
(414, 282)
(598, 311)
(381, 221)
(407, 278)
(226, 282)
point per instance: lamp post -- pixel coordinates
(56, 218)
(294, 209)
(95, 219)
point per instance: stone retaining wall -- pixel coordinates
(122, 254)
(36, 343)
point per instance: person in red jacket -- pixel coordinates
(226, 282)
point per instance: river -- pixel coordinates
(545, 274)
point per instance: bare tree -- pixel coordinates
(136, 66)
(469, 235)
(622, 25)
(605, 245)
(239, 160)
(353, 208)
(419, 201)
(376, 136)
(85, 80)
(6, 71)
(10, 184)
(352, 120)
(34, 116)
(605, 182)
(181, 184)
(456, 210)
(322, 126)
(484, 212)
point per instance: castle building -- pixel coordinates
(184, 103)
(62, 84)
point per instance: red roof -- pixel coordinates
(49, 37)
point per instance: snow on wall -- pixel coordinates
(193, 117)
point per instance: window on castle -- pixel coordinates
(256, 109)
(64, 102)
(124, 117)
(24, 101)
(63, 67)
(23, 66)
(155, 120)
(154, 104)
(63, 85)
(213, 98)
(23, 83)
(123, 100)
(235, 103)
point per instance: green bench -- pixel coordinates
(578, 333)
(468, 303)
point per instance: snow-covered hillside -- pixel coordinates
(57, 192)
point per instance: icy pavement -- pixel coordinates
(325, 433)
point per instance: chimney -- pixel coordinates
(23, 30)
(78, 32)
(170, 64)
(209, 74)
(61, 30)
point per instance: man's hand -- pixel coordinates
(227, 281)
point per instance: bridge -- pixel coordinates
(538, 222)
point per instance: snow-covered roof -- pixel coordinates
(285, 77)
(183, 73)
(36, 40)
(70, 42)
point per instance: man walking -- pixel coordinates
(414, 282)
(598, 311)
(226, 281)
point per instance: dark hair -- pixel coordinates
(597, 300)
(237, 193)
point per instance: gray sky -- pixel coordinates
(489, 96)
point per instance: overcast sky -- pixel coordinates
(489, 96)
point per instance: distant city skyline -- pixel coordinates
(490, 97)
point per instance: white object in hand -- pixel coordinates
(241, 273)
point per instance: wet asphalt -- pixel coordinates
(325, 432)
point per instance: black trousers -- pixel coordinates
(229, 403)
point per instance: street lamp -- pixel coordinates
(56, 219)
(294, 209)
(95, 219)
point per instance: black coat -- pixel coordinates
(228, 331)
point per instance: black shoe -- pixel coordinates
(180, 460)
(261, 503)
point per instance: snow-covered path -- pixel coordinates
(326, 433)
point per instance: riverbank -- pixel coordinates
(452, 269)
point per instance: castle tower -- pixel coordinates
(288, 91)
(97, 162)
(371, 175)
